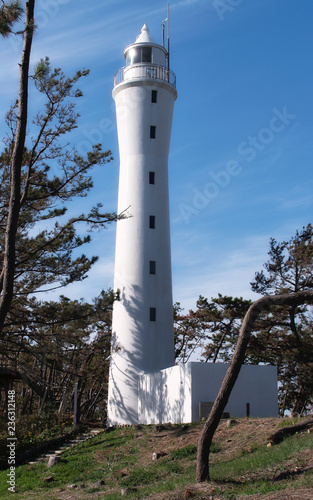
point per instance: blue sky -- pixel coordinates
(240, 164)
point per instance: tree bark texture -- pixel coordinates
(280, 435)
(8, 265)
(232, 373)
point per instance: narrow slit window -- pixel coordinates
(152, 131)
(247, 409)
(154, 94)
(152, 221)
(151, 177)
(152, 314)
(152, 267)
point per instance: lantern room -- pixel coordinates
(145, 50)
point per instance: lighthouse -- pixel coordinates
(145, 386)
(142, 329)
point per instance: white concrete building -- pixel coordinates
(187, 392)
(144, 384)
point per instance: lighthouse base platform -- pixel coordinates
(185, 393)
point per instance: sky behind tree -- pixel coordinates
(240, 164)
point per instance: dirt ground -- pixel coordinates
(234, 438)
(298, 494)
(243, 435)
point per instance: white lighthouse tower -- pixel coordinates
(142, 330)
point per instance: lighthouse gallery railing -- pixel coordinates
(138, 71)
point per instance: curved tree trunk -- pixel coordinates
(232, 373)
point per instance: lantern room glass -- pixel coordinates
(137, 55)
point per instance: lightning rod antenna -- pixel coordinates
(163, 29)
(168, 41)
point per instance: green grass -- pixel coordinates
(262, 459)
(76, 466)
(269, 461)
(189, 451)
(114, 457)
(264, 486)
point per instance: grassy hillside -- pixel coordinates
(121, 464)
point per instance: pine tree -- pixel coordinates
(51, 344)
(212, 329)
(284, 334)
(40, 174)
